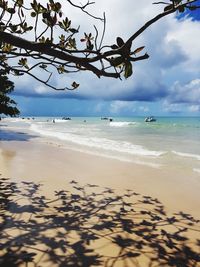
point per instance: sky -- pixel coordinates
(167, 84)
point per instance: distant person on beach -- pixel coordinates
(53, 121)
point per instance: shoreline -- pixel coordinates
(63, 206)
(36, 161)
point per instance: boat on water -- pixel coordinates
(66, 118)
(106, 118)
(150, 119)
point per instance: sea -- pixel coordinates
(167, 142)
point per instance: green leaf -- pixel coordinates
(7, 48)
(114, 46)
(62, 37)
(120, 41)
(181, 9)
(61, 69)
(11, 10)
(35, 6)
(177, 1)
(73, 30)
(22, 13)
(23, 62)
(42, 40)
(43, 66)
(33, 14)
(71, 43)
(89, 45)
(13, 28)
(75, 85)
(168, 8)
(128, 70)
(58, 6)
(29, 28)
(192, 8)
(117, 61)
(20, 2)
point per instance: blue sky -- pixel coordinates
(166, 84)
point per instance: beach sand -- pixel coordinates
(54, 167)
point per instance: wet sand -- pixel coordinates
(54, 166)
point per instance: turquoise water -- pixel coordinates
(168, 141)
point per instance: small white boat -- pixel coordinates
(150, 119)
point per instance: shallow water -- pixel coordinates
(168, 142)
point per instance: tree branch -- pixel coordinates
(85, 11)
(45, 49)
(61, 51)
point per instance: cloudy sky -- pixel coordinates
(168, 83)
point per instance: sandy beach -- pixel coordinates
(53, 165)
(35, 161)
(99, 133)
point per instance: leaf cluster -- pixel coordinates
(50, 39)
(180, 5)
(124, 61)
(7, 105)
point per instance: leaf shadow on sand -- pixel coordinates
(6, 135)
(91, 226)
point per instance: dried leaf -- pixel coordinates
(139, 49)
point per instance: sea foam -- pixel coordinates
(60, 120)
(196, 170)
(122, 123)
(97, 142)
(187, 155)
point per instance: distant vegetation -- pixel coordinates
(7, 105)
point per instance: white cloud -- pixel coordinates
(194, 108)
(119, 106)
(41, 89)
(185, 93)
(185, 33)
(172, 108)
(143, 108)
(99, 107)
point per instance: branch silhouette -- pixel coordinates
(32, 31)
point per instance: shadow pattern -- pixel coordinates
(92, 226)
(6, 135)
